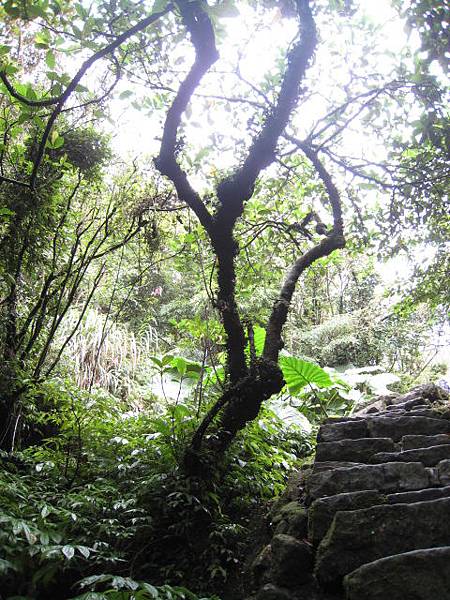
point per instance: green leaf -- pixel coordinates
(226, 9)
(34, 10)
(125, 94)
(259, 334)
(180, 364)
(6, 565)
(68, 551)
(150, 589)
(298, 373)
(259, 337)
(11, 9)
(31, 537)
(42, 39)
(84, 550)
(6, 212)
(50, 59)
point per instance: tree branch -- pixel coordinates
(234, 191)
(333, 240)
(202, 36)
(80, 74)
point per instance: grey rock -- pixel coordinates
(343, 430)
(443, 471)
(322, 511)
(425, 412)
(330, 420)
(418, 575)
(415, 412)
(389, 477)
(397, 427)
(359, 451)
(273, 592)
(411, 442)
(427, 456)
(419, 496)
(332, 464)
(363, 536)
(292, 561)
(292, 519)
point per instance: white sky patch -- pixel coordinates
(136, 134)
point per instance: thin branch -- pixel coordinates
(87, 64)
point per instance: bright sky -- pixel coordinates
(136, 133)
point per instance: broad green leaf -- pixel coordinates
(298, 373)
(259, 334)
(5, 212)
(50, 59)
(6, 565)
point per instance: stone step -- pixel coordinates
(394, 427)
(343, 430)
(423, 412)
(419, 495)
(388, 477)
(326, 465)
(362, 536)
(419, 575)
(360, 450)
(429, 457)
(397, 427)
(416, 403)
(411, 442)
(330, 420)
(322, 511)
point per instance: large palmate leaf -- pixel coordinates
(298, 373)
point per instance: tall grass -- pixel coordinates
(105, 354)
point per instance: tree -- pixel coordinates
(130, 35)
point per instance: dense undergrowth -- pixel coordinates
(101, 509)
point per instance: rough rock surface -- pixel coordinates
(361, 536)
(292, 561)
(372, 514)
(419, 575)
(388, 477)
(354, 450)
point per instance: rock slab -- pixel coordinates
(417, 575)
(363, 536)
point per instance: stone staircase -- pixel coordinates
(370, 519)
